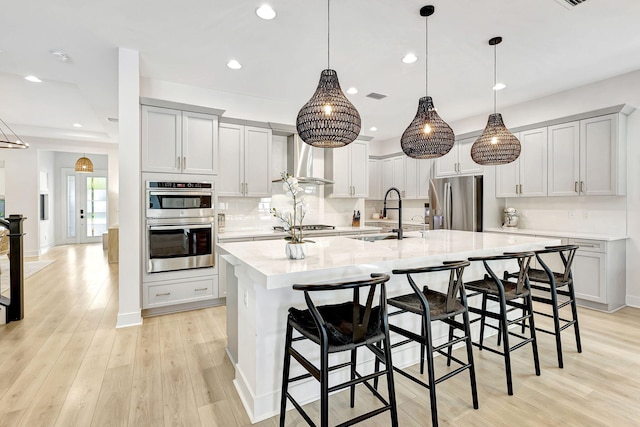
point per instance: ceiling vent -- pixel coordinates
(112, 119)
(376, 95)
(569, 4)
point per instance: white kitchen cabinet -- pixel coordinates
(245, 166)
(175, 141)
(348, 168)
(375, 179)
(527, 175)
(410, 176)
(458, 161)
(586, 157)
(166, 293)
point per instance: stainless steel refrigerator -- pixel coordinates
(456, 203)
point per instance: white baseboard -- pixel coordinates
(129, 319)
(633, 301)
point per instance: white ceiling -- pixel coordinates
(547, 48)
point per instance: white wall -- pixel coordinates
(47, 186)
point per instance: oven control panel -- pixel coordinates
(178, 185)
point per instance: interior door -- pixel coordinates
(86, 206)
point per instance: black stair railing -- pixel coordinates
(15, 302)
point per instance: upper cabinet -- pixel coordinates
(246, 152)
(458, 161)
(175, 141)
(585, 157)
(348, 168)
(409, 176)
(526, 176)
(375, 179)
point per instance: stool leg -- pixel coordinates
(482, 319)
(324, 384)
(532, 327)
(574, 312)
(450, 349)
(285, 374)
(431, 372)
(556, 322)
(353, 376)
(505, 343)
(390, 384)
(422, 346)
(472, 369)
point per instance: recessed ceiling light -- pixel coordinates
(266, 12)
(77, 125)
(409, 58)
(352, 91)
(33, 79)
(234, 65)
(373, 128)
(499, 86)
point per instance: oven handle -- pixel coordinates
(178, 227)
(180, 193)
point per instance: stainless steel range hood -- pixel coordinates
(300, 162)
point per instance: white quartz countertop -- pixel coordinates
(567, 234)
(266, 233)
(332, 257)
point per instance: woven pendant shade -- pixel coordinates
(428, 136)
(496, 145)
(84, 164)
(328, 119)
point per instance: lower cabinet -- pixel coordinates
(159, 294)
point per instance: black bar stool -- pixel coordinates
(505, 293)
(550, 284)
(337, 328)
(434, 306)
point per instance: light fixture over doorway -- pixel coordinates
(84, 165)
(428, 136)
(496, 145)
(328, 119)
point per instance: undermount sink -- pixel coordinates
(378, 237)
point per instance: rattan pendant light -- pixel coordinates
(496, 145)
(328, 119)
(11, 140)
(84, 164)
(428, 136)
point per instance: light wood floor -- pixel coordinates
(65, 364)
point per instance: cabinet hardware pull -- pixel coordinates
(516, 188)
(575, 186)
(587, 246)
(520, 188)
(582, 186)
(184, 163)
(178, 162)
(200, 289)
(164, 294)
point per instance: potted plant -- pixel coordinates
(292, 220)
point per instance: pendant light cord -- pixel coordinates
(328, 32)
(495, 76)
(426, 55)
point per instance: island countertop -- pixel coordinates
(343, 256)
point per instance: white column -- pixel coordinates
(129, 311)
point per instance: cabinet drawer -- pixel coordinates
(176, 293)
(589, 245)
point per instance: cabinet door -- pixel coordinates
(564, 159)
(598, 155)
(507, 179)
(466, 165)
(375, 179)
(387, 178)
(424, 177)
(341, 172)
(447, 165)
(161, 140)
(360, 168)
(231, 155)
(411, 178)
(589, 276)
(533, 163)
(257, 162)
(199, 143)
(399, 168)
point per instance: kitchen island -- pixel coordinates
(259, 279)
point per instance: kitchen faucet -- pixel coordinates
(399, 209)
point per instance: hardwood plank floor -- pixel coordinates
(65, 364)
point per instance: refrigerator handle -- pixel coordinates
(447, 205)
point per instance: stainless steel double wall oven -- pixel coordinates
(179, 225)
